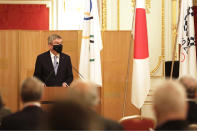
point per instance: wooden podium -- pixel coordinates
(51, 94)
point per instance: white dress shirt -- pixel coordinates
(52, 57)
(32, 104)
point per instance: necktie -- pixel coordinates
(55, 65)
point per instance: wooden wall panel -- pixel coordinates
(29, 47)
(115, 63)
(9, 68)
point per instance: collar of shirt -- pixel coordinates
(52, 57)
(32, 104)
(191, 100)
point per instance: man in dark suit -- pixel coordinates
(53, 67)
(190, 84)
(170, 106)
(30, 117)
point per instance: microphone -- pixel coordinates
(75, 69)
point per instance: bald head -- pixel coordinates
(190, 85)
(84, 91)
(170, 100)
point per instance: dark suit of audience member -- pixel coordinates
(192, 112)
(109, 124)
(30, 117)
(27, 119)
(4, 111)
(173, 125)
(44, 70)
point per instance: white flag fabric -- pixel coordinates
(141, 71)
(90, 62)
(186, 38)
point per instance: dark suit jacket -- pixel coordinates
(45, 72)
(27, 119)
(192, 112)
(111, 125)
(173, 125)
(107, 123)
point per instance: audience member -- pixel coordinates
(29, 117)
(190, 85)
(71, 115)
(87, 94)
(4, 111)
(170, 106)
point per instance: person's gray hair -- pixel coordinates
(169, 97)
(190, 84)
(84, 91)
(31, 90)
(52, 37)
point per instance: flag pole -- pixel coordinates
(174, 48)
(128, 66)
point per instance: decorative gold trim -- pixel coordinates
(162, 57)
(104, 14)
(157, 67)
(118, 14)
(174, 25)
(163, 36)
(148, 5)
(64, 6)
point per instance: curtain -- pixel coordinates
(24, 16)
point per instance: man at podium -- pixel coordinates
(53, 67)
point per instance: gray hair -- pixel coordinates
(52, 37)
(190, 84)
(169, 97)
(31, 89)
(83, 91)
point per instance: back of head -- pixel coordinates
(31, 90)
(71, 115)
(170, 98)
(190, 84)
(83, 91)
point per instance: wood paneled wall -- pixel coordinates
(115, 63)
(19, 49)
(9, 68)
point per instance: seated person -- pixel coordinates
(29, 117)
(190, 85)
(86, 93)
(170, 106)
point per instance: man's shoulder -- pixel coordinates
(12, 117)
(43, 55)
(110, 124)
(65, 55)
